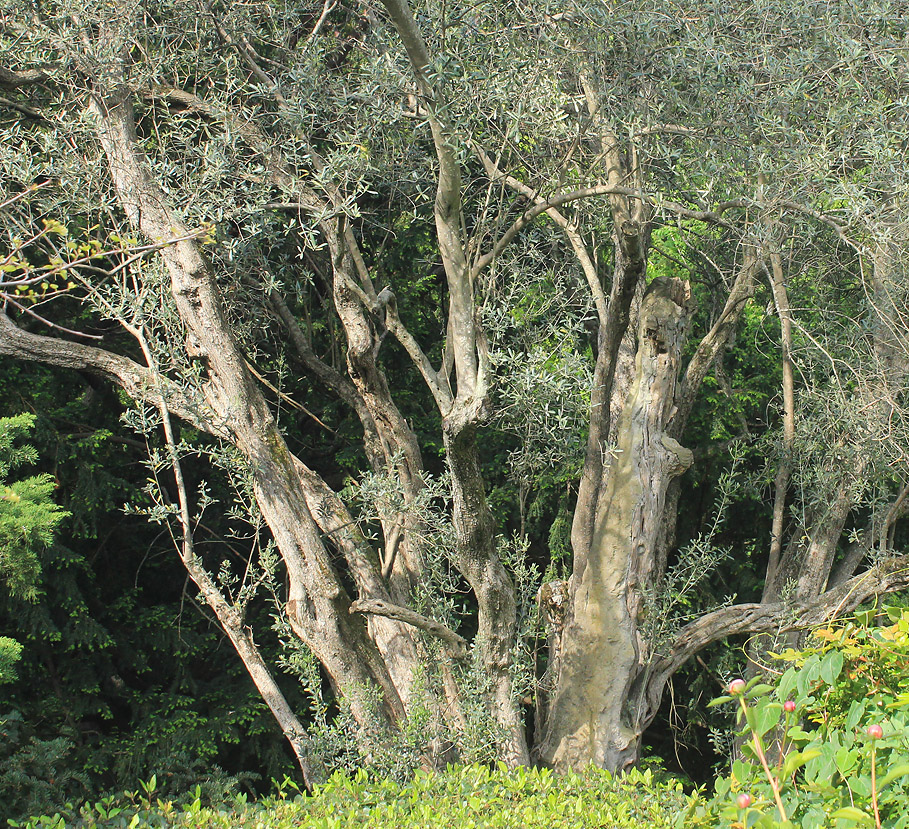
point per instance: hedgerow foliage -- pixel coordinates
(467, 796)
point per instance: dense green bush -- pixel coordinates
(827, 745)
(467, 797)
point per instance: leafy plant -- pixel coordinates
(463, 796)
(828, 743)
(28, 515)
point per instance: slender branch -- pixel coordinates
(50, 324)
(287, 398)
(447, 207)
(680, 129)
(714, 341)
(246, 53)
(568, 228)
(837, 228)
(136, 380)
(334, 380)
(457, 644)
(714, 216)
(781, 483)
(431, 377)
(711, 216)
(327, 6)
(228, 615)
(23, 108)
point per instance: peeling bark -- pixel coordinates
(601, 647)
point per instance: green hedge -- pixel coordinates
(461, 798)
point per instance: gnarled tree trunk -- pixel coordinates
(591, 716)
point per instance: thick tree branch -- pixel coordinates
(887, 577)
(388, 437)
(456, 643)
(447, 208)
(781, 482)
(139, 382)
(25, 77)
(313, 204)
(317, 603)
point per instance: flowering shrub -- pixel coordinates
(827, 745)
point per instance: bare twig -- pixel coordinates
(23, 108)
(327, 6)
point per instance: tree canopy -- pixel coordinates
(447, 298)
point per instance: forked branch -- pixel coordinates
(139, 382)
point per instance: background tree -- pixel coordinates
(28, 515)
(121, 675)
(260, 170)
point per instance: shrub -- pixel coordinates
(828, 743)
(465, 797)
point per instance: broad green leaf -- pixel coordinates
(856, 710)
(851, 813)
(767, 717)
(831, 666)
(845, 760)
(796, 759)
(865, 617)
(719, 701)
(787, 684)
(798, 733)
(894, 774)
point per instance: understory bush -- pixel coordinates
(464, 797)
(827, 744)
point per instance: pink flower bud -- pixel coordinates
(737, 687)
(789, 706)
(743, 800)
(875, 732)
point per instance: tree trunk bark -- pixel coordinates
(591, 718)
(317, 604)
(478, 561)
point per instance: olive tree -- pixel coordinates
(229, 161)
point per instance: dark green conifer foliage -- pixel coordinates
(28, 515)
